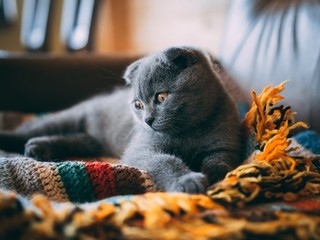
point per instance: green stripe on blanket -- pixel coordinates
(74, 181)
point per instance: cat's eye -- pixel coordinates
(138, 104)
(161, 97)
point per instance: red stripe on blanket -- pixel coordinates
(307, 204)
(103, 181)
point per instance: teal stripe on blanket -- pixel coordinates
(76, 181)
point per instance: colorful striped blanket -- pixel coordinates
(89, 181)
(75, 181)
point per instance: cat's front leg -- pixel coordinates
(217, 165)
(192, 182)
(49, 148)
(168, 172)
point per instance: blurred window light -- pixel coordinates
(8, 11)
(76, 23)
(35, 16)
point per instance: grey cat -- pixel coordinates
(186, 131)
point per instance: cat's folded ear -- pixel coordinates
(182, 57)
(131, 71)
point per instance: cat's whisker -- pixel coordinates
(109, 71)
(110, 77)
(131, 132)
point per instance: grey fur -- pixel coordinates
(190, 140)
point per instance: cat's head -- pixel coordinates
(173, 90)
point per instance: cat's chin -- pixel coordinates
(149, 128)
(154, 129)
(165, 131)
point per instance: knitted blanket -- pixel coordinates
(275, 194)
(89, 181)
(75, 181)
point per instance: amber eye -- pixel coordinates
(138, 104)
(161, 97)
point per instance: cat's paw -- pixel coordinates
(39, 149)
(217, 172)
(190, 183)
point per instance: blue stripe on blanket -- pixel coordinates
(309, 140)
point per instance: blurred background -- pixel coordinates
(112, 26)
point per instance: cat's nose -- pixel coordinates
(149, 120)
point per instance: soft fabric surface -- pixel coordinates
(157, 216)
(73, 181)
(87, 181)
(275, 194)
